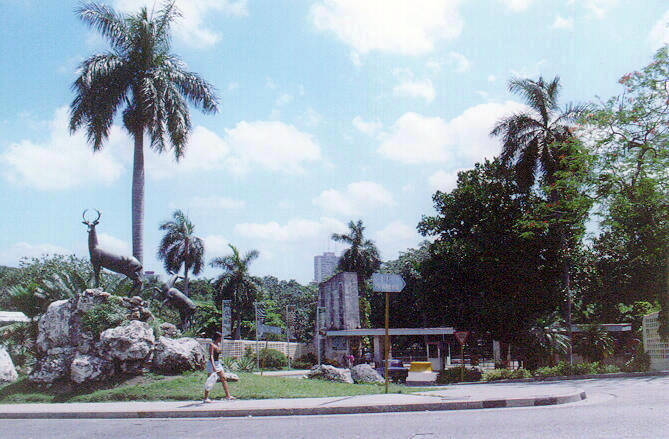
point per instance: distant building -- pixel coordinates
(325, 266)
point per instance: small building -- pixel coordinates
(655, 347)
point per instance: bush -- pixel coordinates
(103, 316)
(564, 369)
(306, 361)
(506, 374)
(332, 362)
(640, 362)
(271, 359)
(452, 375)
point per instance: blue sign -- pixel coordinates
(388, 283)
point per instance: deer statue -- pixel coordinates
(178, 300)
(100, 258)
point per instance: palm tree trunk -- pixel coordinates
(138, 197)
(186, 269)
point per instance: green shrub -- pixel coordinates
(505, 374)
(332, 362)
(564, 369)
(245, 364)
(640, 362)
(306, 361)
(452, 375)
(103, 316)
(271, 359)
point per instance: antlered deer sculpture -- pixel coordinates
(101, 258)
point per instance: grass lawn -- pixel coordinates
(190, 386)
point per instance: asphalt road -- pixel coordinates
(615, 408)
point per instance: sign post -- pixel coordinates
(462, 339)
(387, 283)
(260, 317)
(290, 322)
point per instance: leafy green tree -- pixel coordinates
(549, 339)
(150, 83)
(481, 273)
(180, 247)
(539, 140)
(630, 133)
(236, 284)
(291, 293)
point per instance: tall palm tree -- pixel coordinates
(531, 139)
(534, 141)
(180, 247)
(140, 75)
(236, 283)
(362, 256)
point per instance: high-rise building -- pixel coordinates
(325, 266)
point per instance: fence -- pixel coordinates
(657, 350)
(236, 348)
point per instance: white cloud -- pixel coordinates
(415, 138)
(113, 244)
(216, 246)
(492, 78)
(311, 118)
(357, 198)
(369, 128)
(415, 88)
(205, 151)
(598, 8)
(11, 255)
(659, 34)
(516, 5)
(283, 99)
(563, 23)
(212, 202)
(273, 145)
(192, 28)
(394, 238)
(459, 62)
(62, 161)
(395, 26)
(444, 181)
(531, 71)
(294, 231)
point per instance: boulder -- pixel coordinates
(54, 326)
(178, 355)
(53, 367)
(87, 368)
(330, 373)
(90, 298)
(364, 373)
(132, 342)
(169, 330)
(7, 371)
(231, 377)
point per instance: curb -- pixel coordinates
(302, 411)
(570, 378)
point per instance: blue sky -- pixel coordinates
(331, 110)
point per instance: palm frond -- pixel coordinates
(108, 22)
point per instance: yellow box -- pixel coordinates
(420, 366)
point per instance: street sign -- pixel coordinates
(388, 283)
(461, 336)
(267, 329)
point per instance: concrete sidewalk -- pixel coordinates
(450, 398)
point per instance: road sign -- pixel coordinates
(461, 336)
(267, 329)
(388, 283)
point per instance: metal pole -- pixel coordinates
(318, 332)
(255, 305)
(387, 348)
(288, 336)
(462, 358)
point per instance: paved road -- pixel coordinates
(615, 408)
